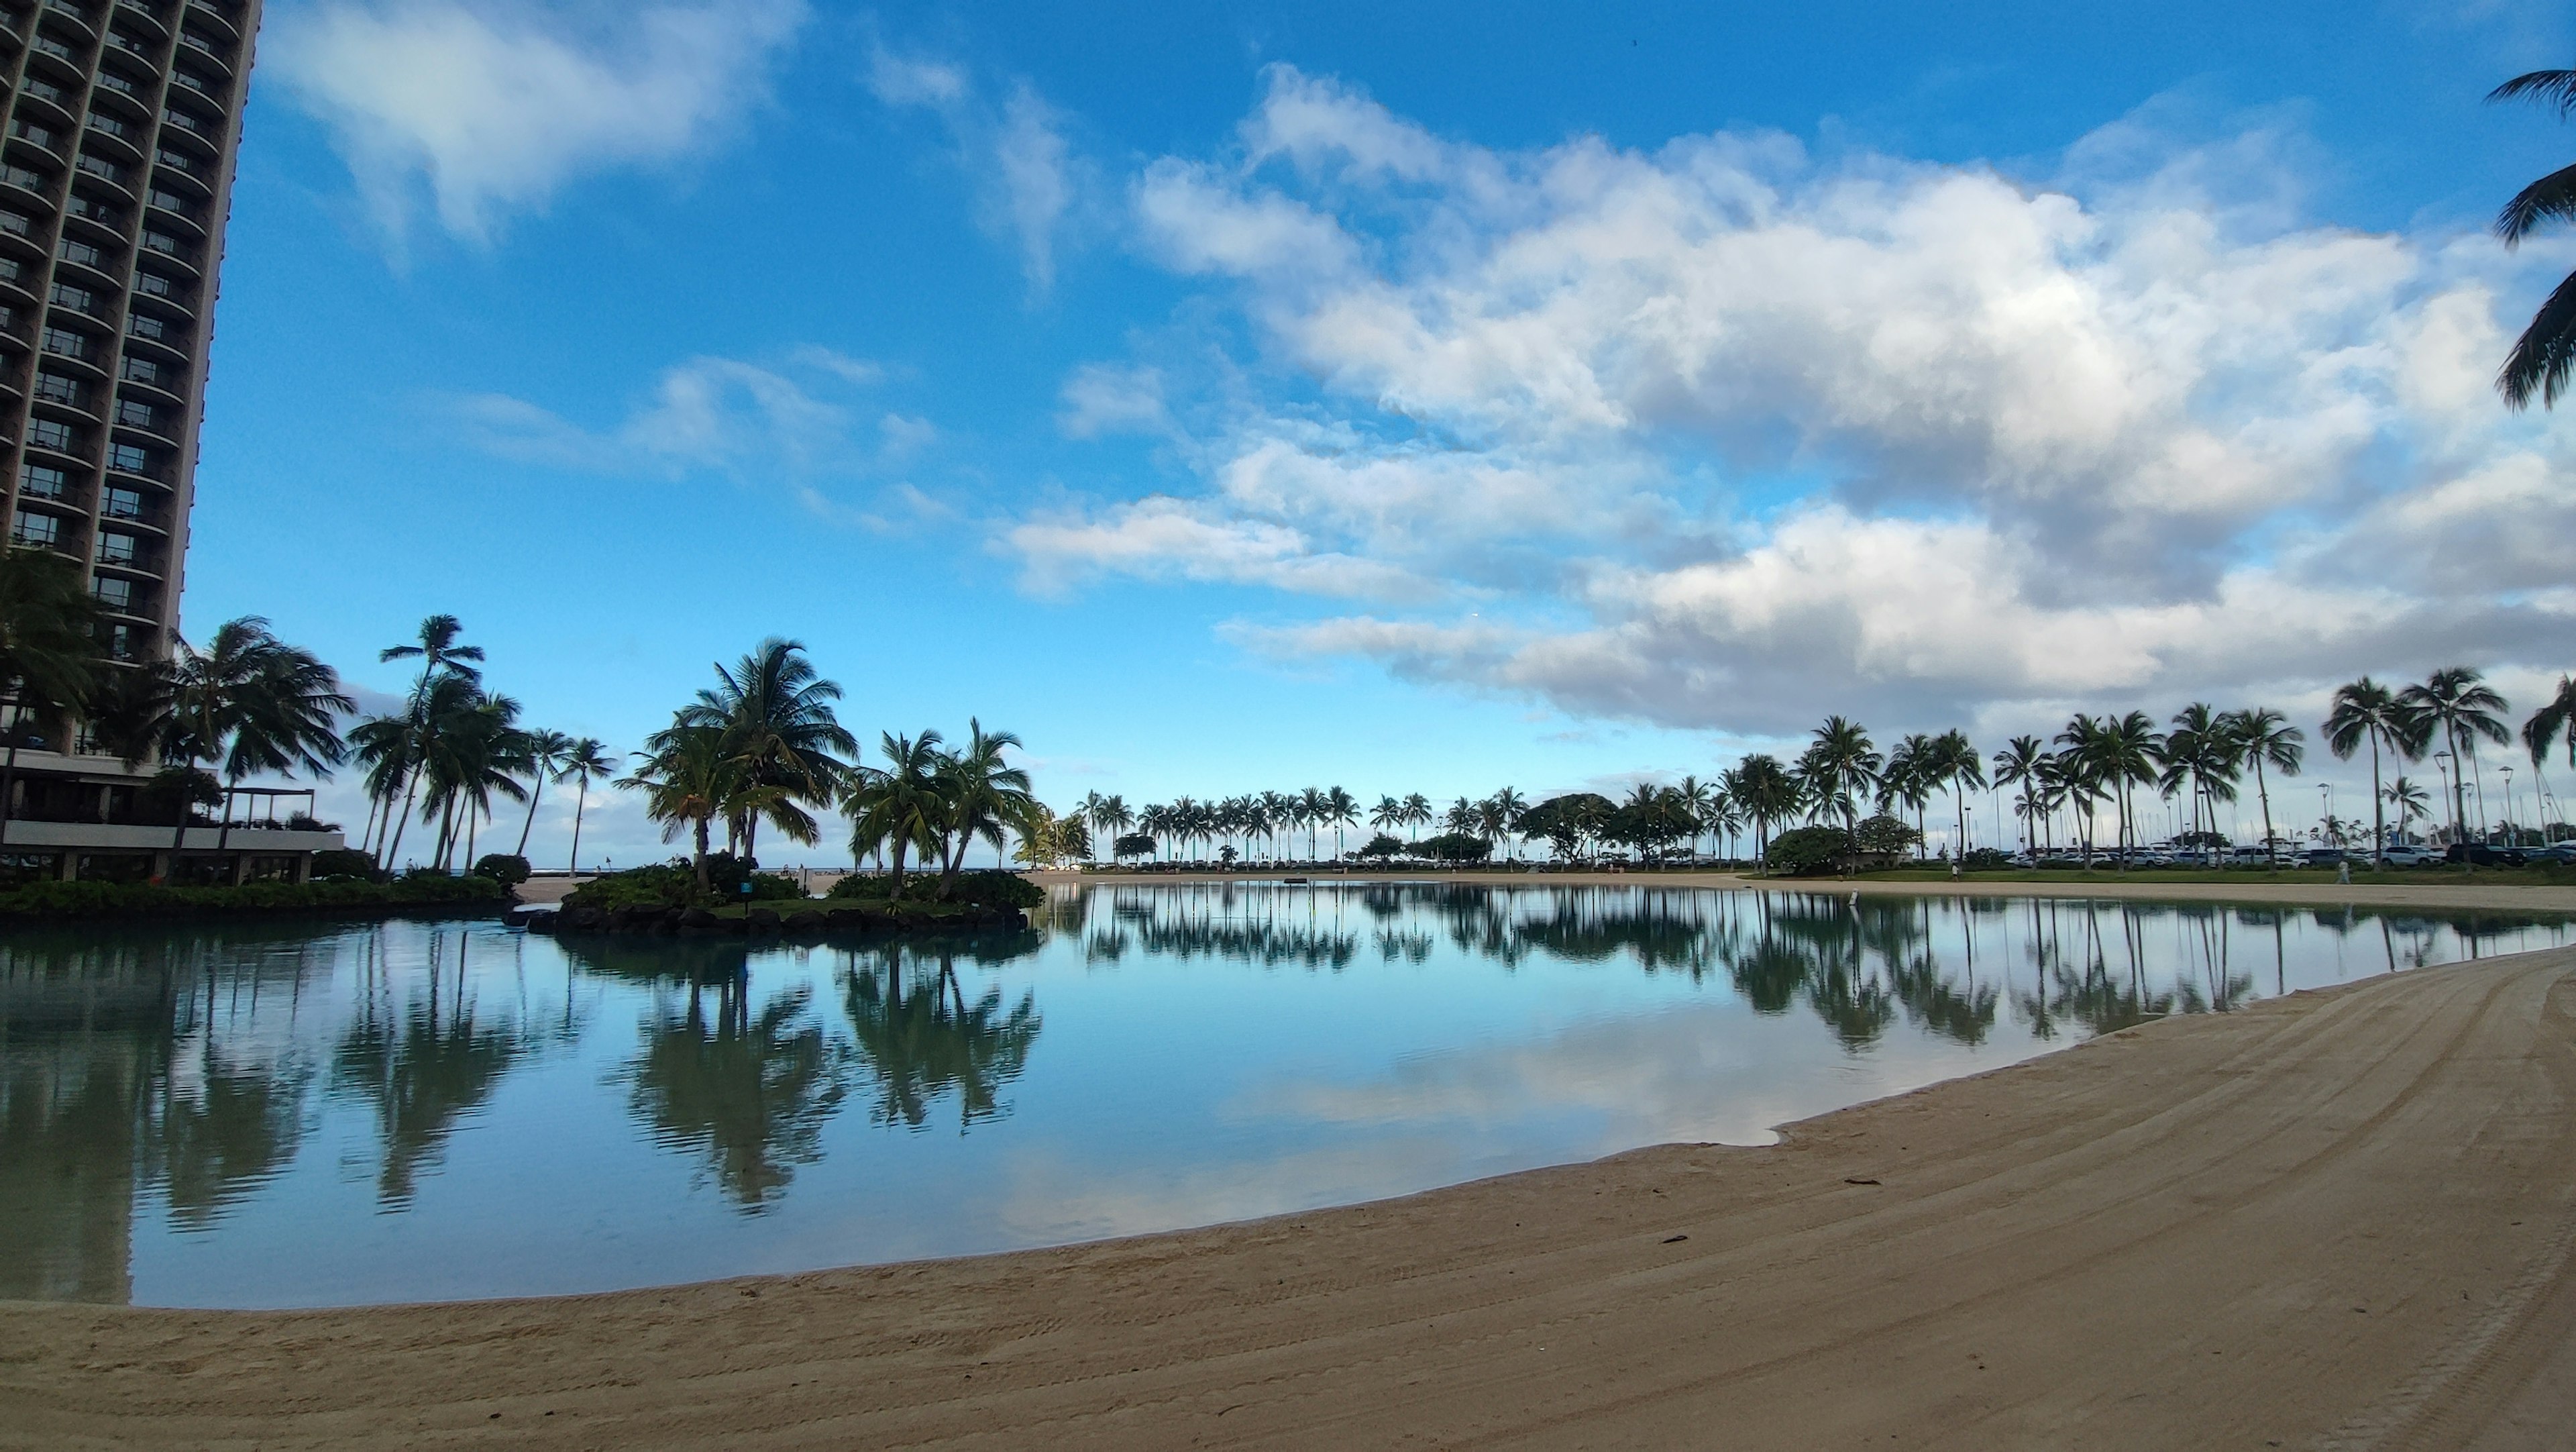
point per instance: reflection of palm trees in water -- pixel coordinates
(922, 1040)
(750, 1091)
(424, 1067)
(211, 1147)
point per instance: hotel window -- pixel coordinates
(67, 343)
(78, 299)
(122, 504)
(144, 370)
(123, 642)
(102, 168)
(16, 224)
(43, 136)
(71, 250)
(36, 531)
(144, 325)
(53, 433)
(43, 481)
(34, 181)
(118, 549)
(58, 389)
(129, 458)
(136, 415)
(115, 594)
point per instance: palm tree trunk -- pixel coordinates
(2378, 809)
(539, 790)
(2262, 788)
(579, 802)
(699, 864)
(411, 784)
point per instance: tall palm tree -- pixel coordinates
(2365, 710)
(1907, 782)
(247, 703)
(1341, 810)
(2020, 764)
(986, 796)
(2410, 800)
(49, 656)
(2459, 703)
(1387, 815)
(1417, 814)
(1699, 798)
(2200, 752)
(1768, 794)
(2550, 722)
(1953, 763)
(1311, 805)
(2127, 748)
(541, 755)
(898, 807)
(777, 718)
(2543, 355)
(688, 781)
(441, 659)
(2080, 771)
(1509, 808)
(472, 752)
(1841, 766)
(584, 759)
(2265, 739)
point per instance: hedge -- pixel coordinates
(42, 900)
(980, 888)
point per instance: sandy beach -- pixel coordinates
(2339, 1219)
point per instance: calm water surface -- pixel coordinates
(295, 1116)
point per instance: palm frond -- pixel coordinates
(2545, 354)
(2554, 87)
(2552, 198)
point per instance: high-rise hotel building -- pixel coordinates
(115, 177)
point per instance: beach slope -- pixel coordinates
(2335, 1220)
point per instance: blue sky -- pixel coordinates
(1412, 398)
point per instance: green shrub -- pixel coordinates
(1808, 850)
(1457, 847)
(143, 899)
(344, 862)
(1888, 834)
(505, 868)
(1986, 859)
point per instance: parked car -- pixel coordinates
(2481, 855)
(2324, 857)
(2411, 854)
(2555, 852)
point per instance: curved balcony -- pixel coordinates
(133, 12)
(74, 410)
(154, 336)
(176, 208)
(182, 182)
(50, 101)
(206, 50)
(58, 59)
(215, 17)
(115, 139)
(65, 15)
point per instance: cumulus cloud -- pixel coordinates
(724, 415)
(483, 108)
(1725, 434)
(1024, 169)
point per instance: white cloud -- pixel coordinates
(490, 108)
(713, 414)
(1024, 169)
(1103, 398)
(1721, 435)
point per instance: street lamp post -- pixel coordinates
(2507, 769)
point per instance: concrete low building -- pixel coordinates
(73, 818)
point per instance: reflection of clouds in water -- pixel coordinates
(1053, 1202)
(1692, 1073)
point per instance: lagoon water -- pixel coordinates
(299, 1115)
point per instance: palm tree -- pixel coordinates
(2129, 748)
(1509, 807)
(898, 807)
(1311, 805)
(1417, 814)
(1956, 765)
(2542, 356)
(582, 760)
(1768, 794)
(777, 718)
(2021, 763)
(471, 751)
(2201, 752)
(1907, 782)
(1840, 766)
(48, 632)
(441, 658)
(2366, 710)
(2265, 738)
(2458, 702)
(541, 755)
(1341, 810)
(2410, 800)
(1699, 798)
(1387, 815)
(986, 795)
(248, 700)
(688, 781)
(2079, 770)
(2551, 721)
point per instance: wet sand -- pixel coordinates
(2338, 1219)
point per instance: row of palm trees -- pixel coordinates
(764, 748)
(2091, 773)
(454, 749)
